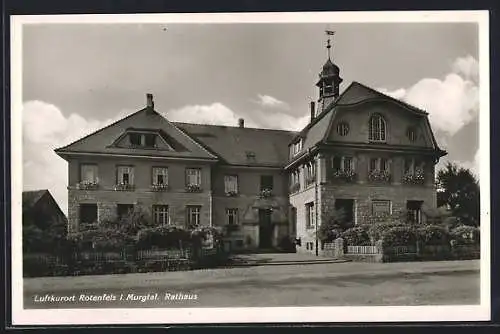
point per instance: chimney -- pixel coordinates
(313, 110)
(241, 123)
(149, 99)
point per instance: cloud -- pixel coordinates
(452, 102)
(214, 114)
(44, 129)
(271, 102)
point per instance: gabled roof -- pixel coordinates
(242, 146)
(101, 141)
(31, 197)
(355, 94)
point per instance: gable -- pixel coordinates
(399, 122)
(113, 139)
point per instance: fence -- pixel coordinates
(362, 250)
(126, 261)
(378, 253)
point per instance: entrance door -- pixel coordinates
(265, 228)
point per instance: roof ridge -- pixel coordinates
(237, 127)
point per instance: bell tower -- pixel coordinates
(329, 80)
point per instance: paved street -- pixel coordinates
(320, 284)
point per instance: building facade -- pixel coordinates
(363, 152)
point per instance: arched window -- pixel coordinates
(377, 128)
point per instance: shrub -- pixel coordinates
(464, 235)
(376, 232)
(433, 235)
(356, 236)
(163, 237)
(399, 236)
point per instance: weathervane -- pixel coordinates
(328, 45)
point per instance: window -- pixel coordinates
(266, 182)
(413, 166)
(88, 173)
(125, 175)
(232, 216)
(231, 184)
(135, 139)
(310, 215)
(347, 164)
(193, 176)
(411, 133)
(381, 207)
(310, 170)
(88, 213)
(414, 209)
(160, 215)
(150, 140)
(160, 175)
(343, 128)
(123, 210)
(295, 180)
(377, 128)
(379, 164)
(142, 139)
(297, 147)
(193, 215)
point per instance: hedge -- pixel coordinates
(356, 236)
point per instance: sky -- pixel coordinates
(78, 78)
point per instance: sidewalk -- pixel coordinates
(276, 259)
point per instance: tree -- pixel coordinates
(333, 225)
(458, 189)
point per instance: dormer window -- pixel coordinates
(297, 147)
(377, 128)
(142, 139)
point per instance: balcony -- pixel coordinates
(158, 187)
(382, 176)
(344, 175)
(193, 188)
(124, 187)
(87, 185)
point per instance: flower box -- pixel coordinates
(124, 187)
(295, 187)
(416, 178)
(264, 193)
(159, 187)
(379, 176)
(346, 175)
(193, 188)
(231, 193)
(87, 185)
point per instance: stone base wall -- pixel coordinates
(364, 194)
(107, 201)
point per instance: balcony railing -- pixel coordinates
(345, 175)
(379, 176)
(193, 188)
(87, 185)
(159, 187)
